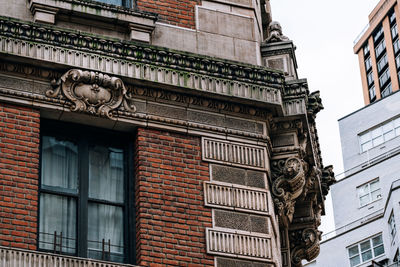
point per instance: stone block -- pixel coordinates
(166, 111)
(232, 220)
(255, 179)
(246, 51)
(206, 118)
(215, 45)
(259, 224)
(239, 124)
(225, 262)
(175, 38)
(228, 174)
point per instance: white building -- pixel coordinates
(366, 201)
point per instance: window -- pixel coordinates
(380, 48)
(378, 135)
(366, 49)
(392, 226)
(396, 46)
(394, 31)
(366, 250)
(125, 3)
(370, 78)
(372, 94)
(368, 63)
(83, 197)
(398, 61)
(369, 192)
(382, 63)
(384, 77)
(392, 17)
(387, 91)
(378, 34)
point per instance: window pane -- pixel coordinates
(389, 135)
(377, 240)
(374, 185)
(58, 214)
(379, 250)
(377, 141)
(396, 122)
(366, 146)
(376, 133)
(105, 222)
(59, 164)
(355, 261)
(353, 251)
(112, 2)
(364, 200)
(106, 173)
(363, 190)
(367, 255)
(364, 138)
(376, 194)
(365, 245)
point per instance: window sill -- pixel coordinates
(370, 203)
(139, 24)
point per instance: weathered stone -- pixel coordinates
(232, 220)
(259, 224)
(228, 174)
(255, 179)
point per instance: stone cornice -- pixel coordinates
(138, 52)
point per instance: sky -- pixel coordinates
(323, 32)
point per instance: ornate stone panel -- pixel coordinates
(240, 245)
(231, 153)
(234, 197)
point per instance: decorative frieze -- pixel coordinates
(70, 42)
(231, 153)
(234, 197)
(239, 245)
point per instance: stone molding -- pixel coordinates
(235, 197)
(92, 92)
(234, 154)
(239, 244)
(85, 45)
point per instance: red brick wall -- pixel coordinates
(171, 217)
(175, 12)
(19, 164)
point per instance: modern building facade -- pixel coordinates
(155, 133)
(364, 201)
(378, 50)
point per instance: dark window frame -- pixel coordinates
(85, 135)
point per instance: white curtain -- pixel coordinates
(58, 213)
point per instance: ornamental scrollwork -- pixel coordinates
(288, 183)
(305, 245)
(92, 92)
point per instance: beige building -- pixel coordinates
(378, 50)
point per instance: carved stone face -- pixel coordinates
(274, 26)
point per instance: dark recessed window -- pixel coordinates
(378, 34)
(372, 94)
(382, 63)
(380, 48)
(124, 3)
(370, 78)
(366, 49)
(395, 31)
(387, 90)
(396, 46)
(392, 17)
(368, 63)
(384, 78)
(84, 207)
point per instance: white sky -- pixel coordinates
(323, 32)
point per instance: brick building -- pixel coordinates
(155, 133)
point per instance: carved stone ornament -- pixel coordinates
(288, 184)
(314, 103)
(92, 92)
(328, 179)
(305, 244)
(275, 33)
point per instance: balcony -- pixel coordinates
(12, 257)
